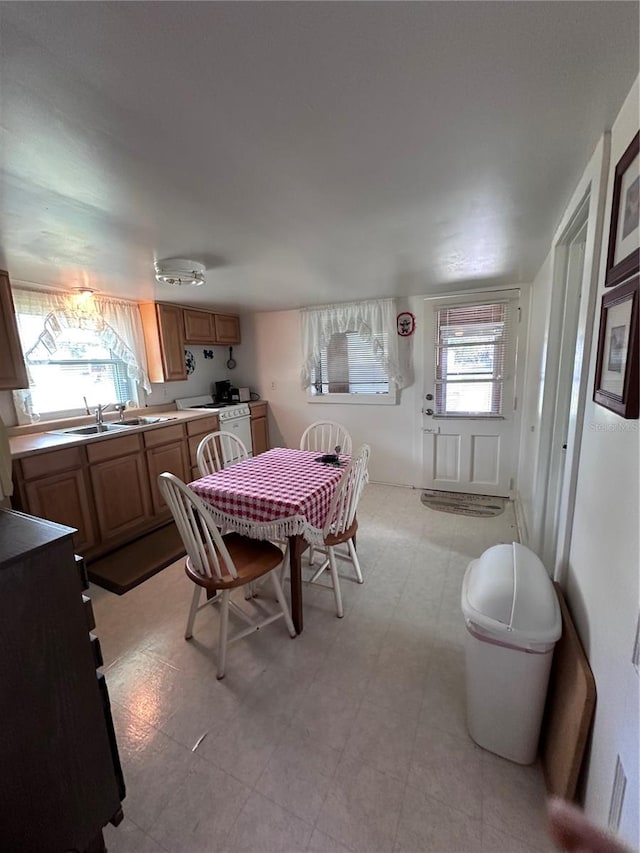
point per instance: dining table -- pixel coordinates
(277, 495)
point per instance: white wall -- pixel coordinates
(603, 573)
(392, 431)
(601, 579)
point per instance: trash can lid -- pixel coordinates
(507, 589)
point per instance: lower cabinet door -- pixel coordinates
(64, 498)
(167, 457)
(121, 494)
(259, 435)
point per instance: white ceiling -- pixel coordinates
(304, 152)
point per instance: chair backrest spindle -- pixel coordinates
(219, 450)
(203, 543)
(347, 495)
(325, 436)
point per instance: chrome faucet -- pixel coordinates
(99, 411)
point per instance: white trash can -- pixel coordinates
(513, 622)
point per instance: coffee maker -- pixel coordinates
(222, 391)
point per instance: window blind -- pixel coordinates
(348, 365)
(472, 344)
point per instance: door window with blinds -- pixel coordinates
(348, 365)
(471, 352)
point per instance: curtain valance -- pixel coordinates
(374, 320)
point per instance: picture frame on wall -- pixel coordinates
(616, 383)
(623, 255)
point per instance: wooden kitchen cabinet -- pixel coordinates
(208, 327)
(198, 326)
(163, 328)
(120, 485)
(54, 486)
(226, 329)
(165, 450)
(13, 373)
(259, 428)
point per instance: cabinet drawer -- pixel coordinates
(50, 463)
(87, 607)
(203, 426)
(111, 448)
(154, 437)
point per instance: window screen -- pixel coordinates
(348, 365)
(471, 349)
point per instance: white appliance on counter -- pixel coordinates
(233, 417)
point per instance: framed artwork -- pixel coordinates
(616, 386)
(623, 256)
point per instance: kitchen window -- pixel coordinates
(351, 352)
(77, 346)
(348, 365)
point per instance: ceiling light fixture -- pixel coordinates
(180, 272)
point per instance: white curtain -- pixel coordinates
(370, 319)
(116, 322)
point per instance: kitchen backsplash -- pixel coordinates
(205, 371)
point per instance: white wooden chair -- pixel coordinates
(219, 450)
(325, 436)
(220, 564)
(341, 524)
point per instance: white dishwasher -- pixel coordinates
(233, 417)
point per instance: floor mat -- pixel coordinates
(137, 561)
(458, 502)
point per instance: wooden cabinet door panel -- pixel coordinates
(121, 494)
(259, 435)
(64, 498)
(172, 342)
(167, 457)
(227, 328)
(198, 326)
(13, 373)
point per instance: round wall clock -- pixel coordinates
(189, 361)
(406, 324)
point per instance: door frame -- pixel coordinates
(552, 522)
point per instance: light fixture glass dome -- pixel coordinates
(180, 272)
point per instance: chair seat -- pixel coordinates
(344, 536)
(252, 558)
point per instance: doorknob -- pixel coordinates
(429, 397)
(428, 411)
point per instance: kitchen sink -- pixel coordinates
(111, 426)
(91, 430)
(143, 421)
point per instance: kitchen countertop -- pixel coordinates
(37, 442)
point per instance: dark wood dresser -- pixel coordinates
(60, 777)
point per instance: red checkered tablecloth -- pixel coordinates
(279, 493)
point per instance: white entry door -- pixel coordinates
(469, 430)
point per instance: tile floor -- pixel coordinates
(350, 737)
